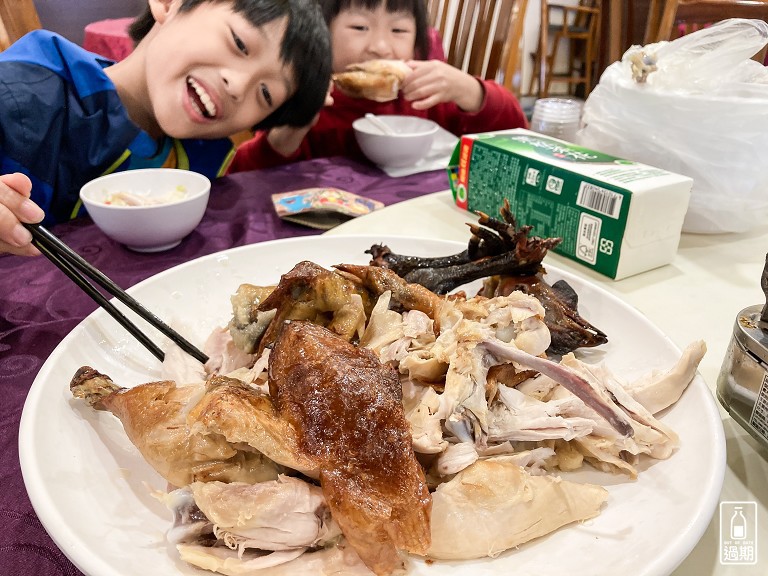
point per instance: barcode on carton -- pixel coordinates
(599, 199)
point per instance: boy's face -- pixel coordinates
(358, 35)
(210, 73)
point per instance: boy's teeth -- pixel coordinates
(210, 107)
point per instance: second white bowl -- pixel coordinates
(169, 204)
(410, 143)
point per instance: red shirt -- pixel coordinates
(333, 134)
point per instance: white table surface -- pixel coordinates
(697, 296)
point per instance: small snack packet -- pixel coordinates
(322, 208)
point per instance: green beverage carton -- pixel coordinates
(615, 216)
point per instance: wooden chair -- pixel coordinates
(17, 17)
(681, 17)
(485, 36)
(579, 27)
(655, 9)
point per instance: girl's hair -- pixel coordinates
(306, 47)
(331, 9)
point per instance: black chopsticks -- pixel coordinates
(79, 270)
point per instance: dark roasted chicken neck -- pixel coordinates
(509, 259)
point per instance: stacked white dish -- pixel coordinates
(557, 117)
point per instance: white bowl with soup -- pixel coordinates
(147, 210)
(408, 142)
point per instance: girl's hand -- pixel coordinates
(434, 81)
(15, 208)
(286, 139)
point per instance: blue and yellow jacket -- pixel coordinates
(63, 124)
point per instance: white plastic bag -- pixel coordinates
(697, 106)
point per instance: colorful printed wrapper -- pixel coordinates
(322, 208)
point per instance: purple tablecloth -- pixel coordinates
(39, 306)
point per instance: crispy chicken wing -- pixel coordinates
(154, 416)
(310, 292)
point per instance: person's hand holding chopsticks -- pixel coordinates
(17, 208)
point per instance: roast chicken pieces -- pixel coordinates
(334, 412)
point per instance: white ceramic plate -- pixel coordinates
(89, 485)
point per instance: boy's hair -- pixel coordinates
(331, 9)
(306, 47)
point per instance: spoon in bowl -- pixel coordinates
(380, 124)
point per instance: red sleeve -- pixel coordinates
(436, 51)
(500, 110)
(258, 153)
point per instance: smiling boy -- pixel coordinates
(201, 71)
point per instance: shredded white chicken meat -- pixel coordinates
(490, 451)
(479, 333)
